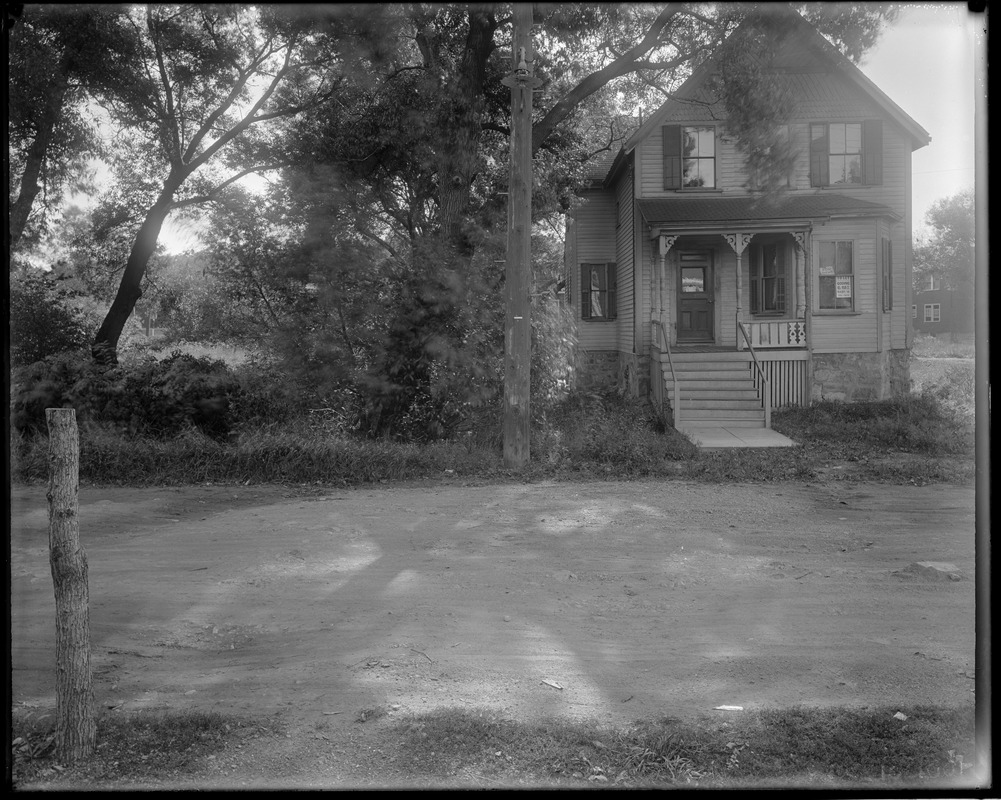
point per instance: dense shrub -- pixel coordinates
(45, 318)
(152, 398)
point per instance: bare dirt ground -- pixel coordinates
(639, 599)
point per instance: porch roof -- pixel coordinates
(792, 210)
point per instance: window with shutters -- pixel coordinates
(597, 287)
(933, 312)
(836, 277)
(689, 157)
(846, 153)
(768, 278)
(887, 254)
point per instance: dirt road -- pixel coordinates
(639, 599)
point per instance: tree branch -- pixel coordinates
(623, 65)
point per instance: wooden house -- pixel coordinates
(720, 302)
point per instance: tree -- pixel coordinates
(59, 55)
(207, 78)
(949, 254)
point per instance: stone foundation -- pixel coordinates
(855, 377)
(599, 369)
(613, 369)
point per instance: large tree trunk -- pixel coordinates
(105, 346)
(462, 131)
(20, 210)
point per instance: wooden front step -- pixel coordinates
(717, 388)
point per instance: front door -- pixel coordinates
(695, 296)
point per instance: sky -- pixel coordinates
(925, 63)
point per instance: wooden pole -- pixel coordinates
(76, 727)
(518, 276)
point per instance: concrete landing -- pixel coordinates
(716, 437)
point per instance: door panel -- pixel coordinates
(695, 296)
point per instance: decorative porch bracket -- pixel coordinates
(800, 253)
(738, 243)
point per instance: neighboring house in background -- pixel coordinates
(936, 309)
(689, 284)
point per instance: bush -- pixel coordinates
(153, 398)
(44, 319)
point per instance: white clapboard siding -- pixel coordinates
(594, 235)
(624, 234)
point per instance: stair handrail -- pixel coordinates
(765, 392)
(670, 363)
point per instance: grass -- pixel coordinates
(835, 746)
(830, 747)
(946, 346)
(133, 748)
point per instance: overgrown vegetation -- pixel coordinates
(271, 436)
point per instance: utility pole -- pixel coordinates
(518, 276)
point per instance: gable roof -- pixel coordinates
(808, 42)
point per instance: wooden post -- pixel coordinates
(76, 728)
(518, 276)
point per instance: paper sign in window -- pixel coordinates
(842, 287)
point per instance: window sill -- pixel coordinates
(598, 319)
(843, 186)
(830, 312)
(696, 190)
(769, 315)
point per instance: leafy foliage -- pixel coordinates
(46, 318)
(159, 399)
(949, 253)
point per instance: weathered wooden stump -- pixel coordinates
(76, 728)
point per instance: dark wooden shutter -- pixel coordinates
(820, 174)
(672, 156)
(585, 291)
(872, 152)
(610, 281)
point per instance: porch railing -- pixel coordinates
(766, 395)
(775, 333)
(663, 343)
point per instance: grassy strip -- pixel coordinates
(790, 747)
(141, 748)
(914, 440)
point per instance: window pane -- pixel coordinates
(827, 250)
(827, 299)
(693, 279)
(707, 142)
(844, 264)
(836, 167)
(853, 138)
(690, 142)
(853, 169)
(699, 172)
(837, 144)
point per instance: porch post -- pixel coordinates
(665, 243)
(800, 251)
(738, 242)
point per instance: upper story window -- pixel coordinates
(689, 157)
(846, 153)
